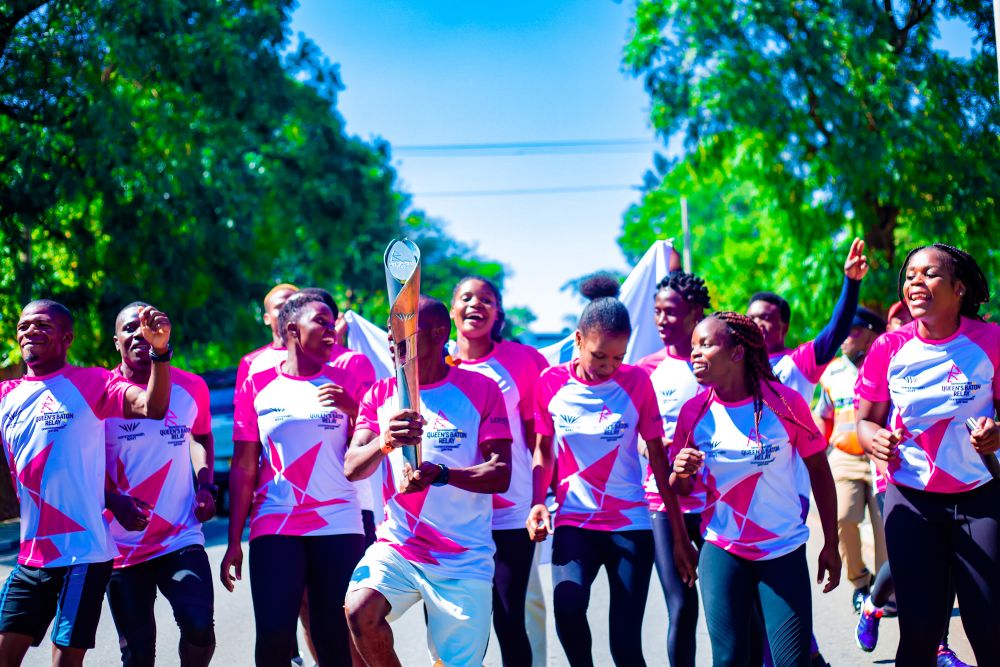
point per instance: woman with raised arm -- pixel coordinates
(596, 408)
(739, 443)
(291, 428)
(928, 398)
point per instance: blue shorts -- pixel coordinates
(72, 595)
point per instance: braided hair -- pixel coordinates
(963, 267)
(691, 288)
(498, 298)
(758, 374)
(604, 312)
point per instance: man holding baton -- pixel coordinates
(435, 544)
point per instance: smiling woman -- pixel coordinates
(929, 393)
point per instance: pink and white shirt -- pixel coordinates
(443, 529)
(596, 427)
(301, 488)
(515, 368)
(53, 435)
(797, 368)
(355, 363)
(151, 460)
(756, 503)
(933, 387)
(674, 384)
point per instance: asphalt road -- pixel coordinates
(834, 626)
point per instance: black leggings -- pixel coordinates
(512, 561)
(281, 566)
(682, 600)
(185, 579)
(730, 586)
(936, 540)
(577, 556)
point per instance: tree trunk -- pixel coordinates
(880, 233)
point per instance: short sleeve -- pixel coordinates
(650, 420)
(873, 378)
(804, 358)
(528, 373)
(203, 418)
(242, 372)
(493, 421)
(245, 427)
(108, 401)
(803, 434)
(364, 373)
(545, 390)
(368, 409)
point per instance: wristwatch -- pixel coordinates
(160, 358)
(442, 477)
(211, 488)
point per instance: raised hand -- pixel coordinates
(334, 396)
(885, 444)
(688, 461)
(856, 265)
(155, 328)
(985, 438)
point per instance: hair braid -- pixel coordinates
(758, 372)
(963, 267)
(691, 288)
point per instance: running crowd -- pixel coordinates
(700, 460)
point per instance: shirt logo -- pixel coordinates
(568, 422)
(959, 386)
(605, 414)
(446, 435)
(615, 430)
(762, 454)
(175, 433)
(52, 416)
(328, 421)
(129, 431)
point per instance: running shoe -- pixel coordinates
(947, 658)
(866, 634)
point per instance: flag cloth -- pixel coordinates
(637, 294)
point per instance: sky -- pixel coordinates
(424, 73)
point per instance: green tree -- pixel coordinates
(841, 116)
(180, 153)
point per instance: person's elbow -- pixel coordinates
(157, 412)
(501, 477)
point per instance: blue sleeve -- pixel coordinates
(835, 332)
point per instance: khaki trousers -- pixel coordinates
(853, 479)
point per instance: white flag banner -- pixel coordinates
(371, 341)
(637, 294)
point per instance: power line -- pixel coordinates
(525, 191)
(580, 146)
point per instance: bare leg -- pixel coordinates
(366, 610)
(13, 647)
(64, 656)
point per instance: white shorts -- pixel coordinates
(458, 610)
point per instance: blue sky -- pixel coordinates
(429, 72)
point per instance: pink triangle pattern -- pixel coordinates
(36, 552)
(501, 503)
(149, 489)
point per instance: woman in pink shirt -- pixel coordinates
(929, 393)
(477, 310)
(740, 443)
(594, 409)
(292, 425)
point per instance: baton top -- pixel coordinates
(402, 258)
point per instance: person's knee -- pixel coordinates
(570, 600)
(366, 610)
(198, 629)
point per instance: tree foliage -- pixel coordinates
(182, 153)
(807, 121)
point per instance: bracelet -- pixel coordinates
(385, 447)
(161, 358)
